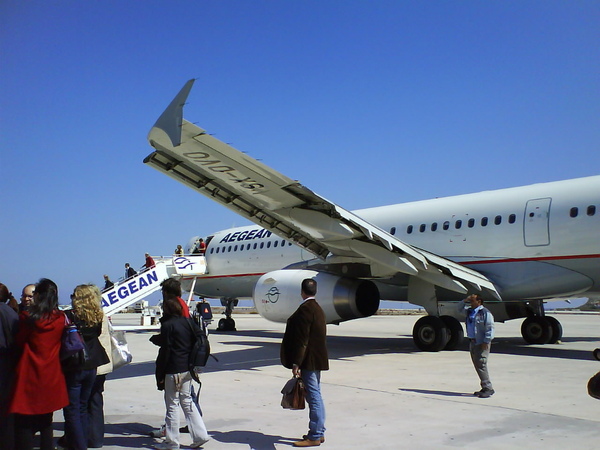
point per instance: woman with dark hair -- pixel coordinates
(172, 374)
(87, 314)
(40, 387)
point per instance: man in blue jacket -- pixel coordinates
(480, 331)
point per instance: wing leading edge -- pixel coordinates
(188, 154)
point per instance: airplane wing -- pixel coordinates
(191, 156)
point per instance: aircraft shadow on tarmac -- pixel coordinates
(266, 353)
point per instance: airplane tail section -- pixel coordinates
(131, 290)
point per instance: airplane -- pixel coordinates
(516, 247)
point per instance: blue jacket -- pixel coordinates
(482, 327)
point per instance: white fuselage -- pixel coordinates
(537, 241)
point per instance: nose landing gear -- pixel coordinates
(227, 323)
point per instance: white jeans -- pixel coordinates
(178, 391)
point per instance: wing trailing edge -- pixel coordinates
(188, 154)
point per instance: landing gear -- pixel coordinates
(536, 330)
(227, 323)
(456, 333)
(430, 334)
(541, 330)
(557, 330)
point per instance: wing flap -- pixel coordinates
(191, 156)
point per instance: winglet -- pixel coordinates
(171, 119)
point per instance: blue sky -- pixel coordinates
(366, 102)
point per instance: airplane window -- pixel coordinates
(471, 223)
(484, 221)
(512, 218)
(248, 247)
(235, 248)
(290, 244)
(217, 250)
(458, 224)
(574, 212)
(269, 244)
(254, 246)
(434, 226)
(409, 229)
(498, 220)
(276, 243)
(211, 250)
(262, 244)
(591, 210)
(422, 227)
(282, 242)
(393, 231)
(229, 249)
(446, 225)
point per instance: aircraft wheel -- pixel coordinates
(430, 334)
(557, 330)
(455, 332)
(226, 324)
(230, 324)
(536, 330)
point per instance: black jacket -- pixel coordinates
(175, 341)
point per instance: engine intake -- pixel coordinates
(277, 295)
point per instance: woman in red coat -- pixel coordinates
(40, 387)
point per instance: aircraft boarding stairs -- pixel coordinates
(127, 292)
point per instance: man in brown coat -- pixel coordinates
(304, 350)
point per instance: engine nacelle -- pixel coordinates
(277, 295)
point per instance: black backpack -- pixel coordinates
(200, 350)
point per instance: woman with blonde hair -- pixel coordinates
(87, 315)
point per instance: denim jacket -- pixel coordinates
(483, 324)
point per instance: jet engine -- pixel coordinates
(277, 295)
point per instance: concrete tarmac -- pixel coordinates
(380, 392)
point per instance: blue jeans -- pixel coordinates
(95, 410)
(79, 388)
(312, 387)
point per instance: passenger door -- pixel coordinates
(536, 231)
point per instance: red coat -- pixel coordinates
(149, 262)
(40, 386)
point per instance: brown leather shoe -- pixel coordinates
(307, 443)
(322, 438)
